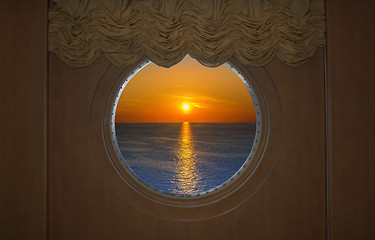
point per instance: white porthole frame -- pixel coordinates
(249, 158)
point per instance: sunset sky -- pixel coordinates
(187, 91)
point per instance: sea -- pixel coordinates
(185, 157)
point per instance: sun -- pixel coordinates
(185, 107)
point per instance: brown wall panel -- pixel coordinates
(351, 79)
(294, 192)
(23, 68)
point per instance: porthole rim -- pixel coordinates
(181, 209)
(241, 170)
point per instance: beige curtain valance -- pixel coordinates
(252, 31)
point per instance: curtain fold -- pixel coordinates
(211, 31)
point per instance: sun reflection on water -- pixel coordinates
(187, 177)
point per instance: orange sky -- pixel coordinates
(157, 94)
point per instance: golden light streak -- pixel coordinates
(187, 177)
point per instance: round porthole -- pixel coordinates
(188, 130)
(186, 148)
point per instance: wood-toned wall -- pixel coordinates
(351, 79)
(23, 84)
(23, 79)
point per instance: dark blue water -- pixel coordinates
(185, 158)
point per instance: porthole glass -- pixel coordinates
(187, 130)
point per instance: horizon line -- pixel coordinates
(189, 121)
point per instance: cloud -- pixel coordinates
(203, 98)
(180, 97)
(198, 99)
(198, 105)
